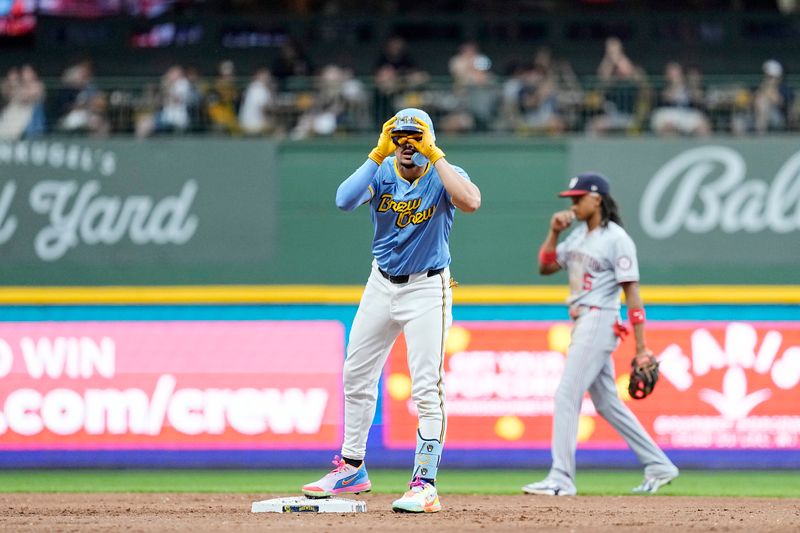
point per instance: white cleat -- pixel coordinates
(420, 497)
(548, 487)
(650, 485)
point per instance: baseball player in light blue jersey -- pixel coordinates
(600, 258)
(412, 199)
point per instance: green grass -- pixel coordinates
(784, 484)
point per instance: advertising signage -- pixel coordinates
(171, 385)
(723, 385)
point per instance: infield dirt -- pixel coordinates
(231, 512)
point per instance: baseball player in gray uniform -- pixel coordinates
(412, 193)
(599, 257)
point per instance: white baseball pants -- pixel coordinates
(422, 310)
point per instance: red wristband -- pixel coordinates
(547, 257)
(636, 316)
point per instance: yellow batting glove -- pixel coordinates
(426, 146)
(385, 146)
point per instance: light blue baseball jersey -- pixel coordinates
(412, 220)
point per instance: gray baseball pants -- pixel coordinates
(589, 367)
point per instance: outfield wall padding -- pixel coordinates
(260, 386)
(254, 212)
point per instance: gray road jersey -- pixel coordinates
(597, 262)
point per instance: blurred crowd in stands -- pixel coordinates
(295, 99)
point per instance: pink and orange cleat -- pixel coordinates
(344, 479)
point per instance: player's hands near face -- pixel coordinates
(561, 220)
(385, 146)
(426, 146)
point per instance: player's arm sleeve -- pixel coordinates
(562, 249)
(461, 172)
(626, 266)
(358, 188)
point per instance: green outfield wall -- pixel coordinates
(253, 212)
(716, 211)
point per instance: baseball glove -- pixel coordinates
(643, 378)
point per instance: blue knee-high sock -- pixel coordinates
(426, 459)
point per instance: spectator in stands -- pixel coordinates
(291, 61)
(772, 100)
(396, 76)
(85, 105)
(35, 92)
(696, 87)
(255, 117)
(625, 100)
(175, 93)
(340, 105)
(10, 82)
(509, 96)
(12, 120)
(90, 118)
(223, 100)
(538, 102)
(23, 114)
(77, 102)
(474, 88)
(567, 87)
(680, 106)
(198, 90)
(469, 67)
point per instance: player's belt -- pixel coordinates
(576, 310)
(404, 278)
